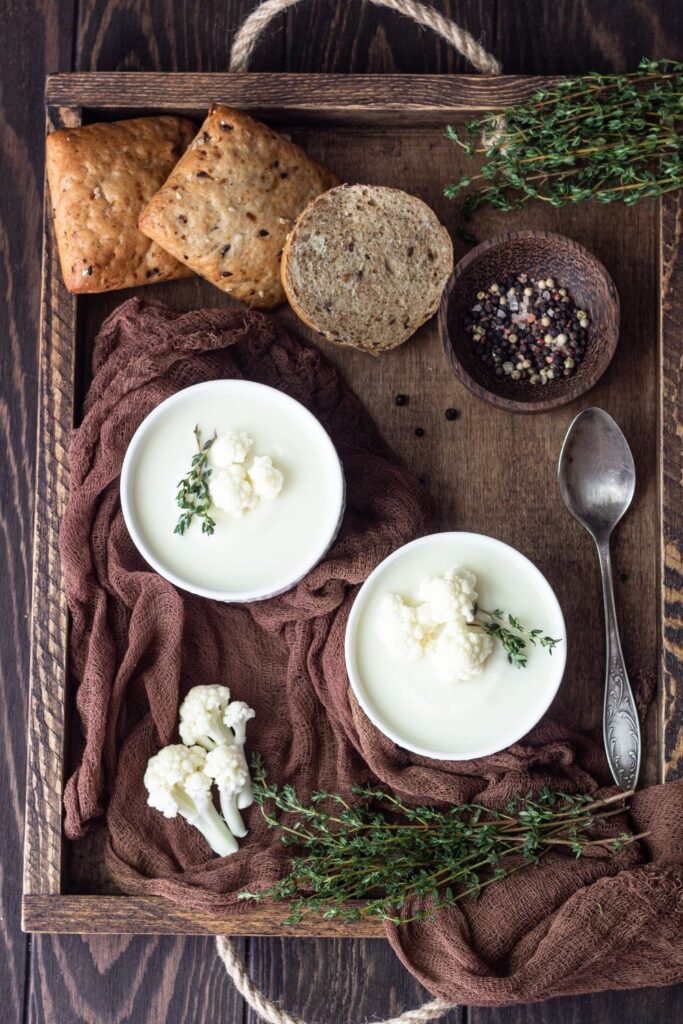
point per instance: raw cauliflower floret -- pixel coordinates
(403, 628)
(450, 597)
(230, 448)
(202, 716)
(225, 765)
(232, 490)
(177, 783)
(459, 653)
(265, 478)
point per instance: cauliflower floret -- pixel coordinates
(237, 715)
(202, 716)
(177, 783)
(450, 597)
(403, 628)
(232, 490)
(209, 719)
(226, 766)
(230, 448)
(459, 652)
(265, 478)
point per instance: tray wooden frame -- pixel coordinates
(338, 99)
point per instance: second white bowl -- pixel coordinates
(445, 720)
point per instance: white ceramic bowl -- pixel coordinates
(282, 428)
(456, 721)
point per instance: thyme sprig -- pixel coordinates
(513, 636)
(194, 496)
(603, 137)
(378, 850)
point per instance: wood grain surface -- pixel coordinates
(105, 979)
(482, 468)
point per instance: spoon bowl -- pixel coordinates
(597, 475)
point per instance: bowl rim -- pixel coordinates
(558, 662)
(571, 392)
(224, 385)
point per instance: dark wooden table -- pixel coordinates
(121, 979)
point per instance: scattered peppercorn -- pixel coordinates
(528, 330)
(419, 431)
(401, 400)
(451, 414)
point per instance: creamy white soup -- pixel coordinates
(409, 699)
(274, 542)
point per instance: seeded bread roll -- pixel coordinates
(227, 207)
(101, 177)
(365, 266)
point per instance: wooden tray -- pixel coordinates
(490, 471)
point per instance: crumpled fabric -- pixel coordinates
(138, 644)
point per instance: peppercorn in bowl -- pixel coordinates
(529, 320)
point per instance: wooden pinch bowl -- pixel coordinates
(539, 254)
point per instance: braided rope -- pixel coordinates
(274, 1014)
(247, 37)
(240, 55)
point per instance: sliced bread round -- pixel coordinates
(366, 265)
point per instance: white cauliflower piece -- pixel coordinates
(230, 448)
(450, 597)
(177, 783)
(232, 490)
(459, 653)
(265, 478)
(403, 628)
(236, 716)
(201, 716)
(225, 765)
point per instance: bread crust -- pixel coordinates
(227, 206)
(101, 176)
(333, 254)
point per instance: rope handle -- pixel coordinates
(241, 52)
(272, 1013)
(467, 46)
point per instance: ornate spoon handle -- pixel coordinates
(621, 729)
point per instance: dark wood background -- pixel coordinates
(121, 979)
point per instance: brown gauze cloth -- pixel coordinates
(138, 644)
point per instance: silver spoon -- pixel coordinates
(597, 478)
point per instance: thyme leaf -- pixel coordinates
(602, 137)
(513, 636)
(376, 849)
(194, 496)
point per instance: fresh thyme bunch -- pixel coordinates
(604, 137)
(194, 497)
(382, 852)
(513, 636)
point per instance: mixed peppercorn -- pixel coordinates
(402, 400)
(528, 330)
